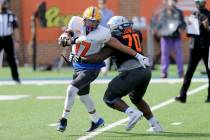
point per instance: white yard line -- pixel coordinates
(13, 97)
(99, 81)
(50, 97)
(156, 107)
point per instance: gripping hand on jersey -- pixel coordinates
(76, 58)
(144, 61)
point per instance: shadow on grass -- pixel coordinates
(73, 136)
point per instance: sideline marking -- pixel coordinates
(98, 81)
(53, 124)
(156, 107)
(12, 97)
(49, 97)
(176, 123)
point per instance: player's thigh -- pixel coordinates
(122, 84)
(84, 91)
(1, 44)
(139, 91)
(82, 79)
(115, 88)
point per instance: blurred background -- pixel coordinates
(37, 102)
(42, 21)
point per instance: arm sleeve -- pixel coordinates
(182, 24)
(107, 38)
(71, 23)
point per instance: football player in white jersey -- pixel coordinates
(87, 37)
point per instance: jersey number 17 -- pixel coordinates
(86, 48)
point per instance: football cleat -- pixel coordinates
(62, 123)
(96, 125)
(207, 100)
(181, 99)
(134, 116)
(155, 128)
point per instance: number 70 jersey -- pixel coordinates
(88, 44)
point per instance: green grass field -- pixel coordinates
(28, 118)
(66, 73)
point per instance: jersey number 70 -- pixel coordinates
(134, 37)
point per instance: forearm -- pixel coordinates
(16, 35)
(183, 24)
(99, 57)
(93, 59)
(114, 43)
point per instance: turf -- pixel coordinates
(29, 118)
(66, 73)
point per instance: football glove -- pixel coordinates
(64, 40)
(76, 58)
(144, 61)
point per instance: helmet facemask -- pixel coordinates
(118, 24)
(90, 24)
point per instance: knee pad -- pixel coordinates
(109, 100)
(109, 103)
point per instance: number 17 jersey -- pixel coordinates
(87, 44)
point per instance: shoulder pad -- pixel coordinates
(101, 34)
(74, 22)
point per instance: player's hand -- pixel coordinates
(64, 40)
(144, 61)
(71, 57)
(206, 23)
(76, 58)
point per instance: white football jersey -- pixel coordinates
(91, 43)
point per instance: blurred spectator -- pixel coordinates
(199, 49)
(139, 23)
(156, 39)
(9, 20)
(171, 24)
(106, 15)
